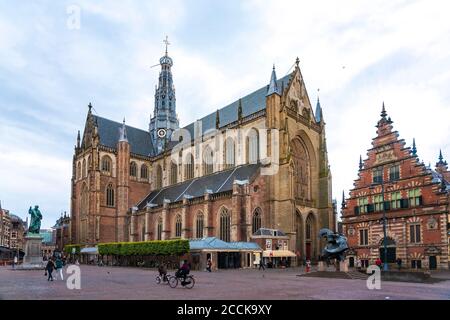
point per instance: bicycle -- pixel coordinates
(164, 279)
(189, 282)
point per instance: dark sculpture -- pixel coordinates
(336, 245)
(35, 223)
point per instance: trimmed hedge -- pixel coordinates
(157, 247)
(68, 248)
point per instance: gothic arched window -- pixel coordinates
(189, 167)
(79, 170)
(178, 225)
(144, 171)
(199, 224)
(309, 228)
(229, 153)
(159, 173)
(301, 170)
(225, 223)
(256, 221)
(208, 161)
(110, 195)
(106, 164)
(252, 146)
(159, 229)
(84, 168)
(173, 172)
(133, 169)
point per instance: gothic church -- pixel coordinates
(260, 161)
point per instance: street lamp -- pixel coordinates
(385, 264)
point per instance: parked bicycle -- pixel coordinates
(189, 282)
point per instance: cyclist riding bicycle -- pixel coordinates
(183, 271)
(162, 269)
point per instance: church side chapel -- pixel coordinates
(259, 162)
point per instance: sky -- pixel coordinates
(57, 56)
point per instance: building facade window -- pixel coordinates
(364, 237)
(224, 230)
(144, 171)
(178, 225)
(106, 164)
(173, 172)
(414, 197)
(363, 204)
(84, 169)
(208, 161)
(189, 167)
(309, 228)
(159, 229)
(396, 200)
(229, 153)
(301, 169)
(79, 171)
(414, 233)
(256, 223)
(394, 173)
(110, 201)
(377, 175)
(416, 264)
(159, 174)
(378, 202)
(252, 147)
(199, 226)
(133, 169)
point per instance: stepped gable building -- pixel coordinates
(416, 204)
(260, 161)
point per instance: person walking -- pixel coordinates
(49, 269)
(399, 263)
(261, 264)
(308, 266)
(59, 267)
(358, 264)
(208, 265)
(14, 262)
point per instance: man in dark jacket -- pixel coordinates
(49, 268)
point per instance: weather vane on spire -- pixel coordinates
(166, 41)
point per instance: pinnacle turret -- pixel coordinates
(273, 86)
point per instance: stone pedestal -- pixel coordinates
(343, 266)
(321, 266)
(33, 252)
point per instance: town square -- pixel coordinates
(224, 151)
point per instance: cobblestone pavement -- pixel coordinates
(136, 283)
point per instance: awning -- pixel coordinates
(278, 253)
(93, 250)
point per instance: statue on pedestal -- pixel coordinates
(35, 223)
(336, 245)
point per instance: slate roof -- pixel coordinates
(140, 140)
(251, 103)
(213, 243)
(216, 182)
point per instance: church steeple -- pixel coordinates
(164, 114)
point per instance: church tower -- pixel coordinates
(164, 120)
